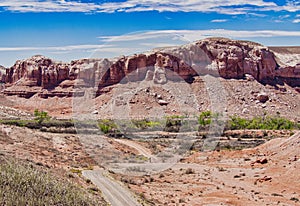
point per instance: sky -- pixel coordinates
(73, 29)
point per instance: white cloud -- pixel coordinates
(278, 21)
(234, 7)
(284, 16)
(296, 21)
(48, 6)
(219, 20)
(140, 36)
(145, 41)
(58, 49)
(114, 46)
(157, 45)
(159, 38)
(255, 14)
(193, 35)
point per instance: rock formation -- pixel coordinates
(2, 74)
(216, 56)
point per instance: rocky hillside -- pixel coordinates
(227, 58)
(288, 56)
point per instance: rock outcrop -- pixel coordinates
(216, 56)
(2, 74)
(234, 59)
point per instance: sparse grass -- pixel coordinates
(22, 184)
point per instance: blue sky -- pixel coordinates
(73, 29)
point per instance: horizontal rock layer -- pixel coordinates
(216, 56)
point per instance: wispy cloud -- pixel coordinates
(114, 46)
(159, 38)
(219, 20)
(144, 41)
(284, 16)
(192, 35)
(278, 21)
(256, 14)
(220, 6)
(48, 6)
(57, 49)
(140, 36)
(296, 21)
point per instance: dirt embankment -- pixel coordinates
(266, 175)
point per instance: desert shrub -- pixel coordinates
(173, 123)
(236, 122)
(41, 116)
(23, 184)
(145, 123)
(39, 124)
(107, 126)
(205, 118)
(58, 123)
(264, 123)
(16, 122)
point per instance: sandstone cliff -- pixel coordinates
(217, 56)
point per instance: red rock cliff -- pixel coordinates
(218, 56)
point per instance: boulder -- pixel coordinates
(162, 102)
(262, 97)
(249, 77)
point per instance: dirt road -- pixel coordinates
(142, 150)
(113, 192)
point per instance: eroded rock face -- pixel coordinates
(2, 74)
(234, 59)
(216, 56)
(37, 71)
(289, 71)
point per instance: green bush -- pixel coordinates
(205, 118)
(38, 124)
(41, 116)
(264, 123)
(22, 184)
(107, 126)
(145, 123)
(236, 122)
